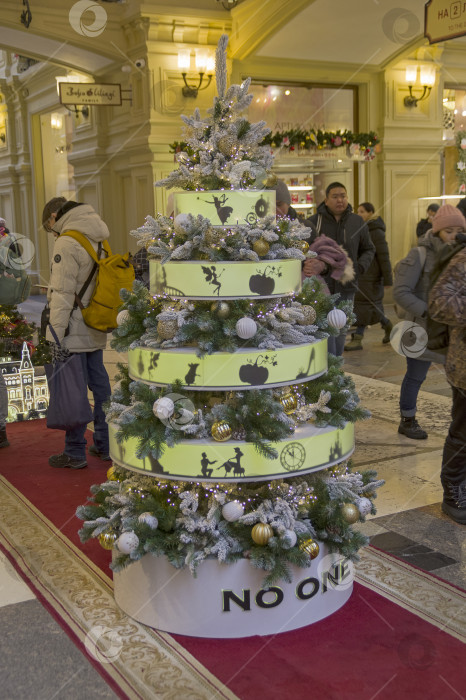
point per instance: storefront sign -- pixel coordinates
(230, 601)
(444, 20)
(97, 94)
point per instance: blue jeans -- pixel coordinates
(415, 374)
(98, 382)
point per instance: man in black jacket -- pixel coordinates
(335, 219)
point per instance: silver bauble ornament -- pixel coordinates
(336, 318)
(163, 408)
(127, 542)
(246, 328)
(122, 317)
(149, 519)
(232, 511)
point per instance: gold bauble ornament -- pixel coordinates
(310, 546)
(221, 431)
(167, 329)
(261, 533)
(303, 246)
(350, 513)
(107, 539)
(221, 308)
(261, 247)
(289, 403)
(111, 476)
(226, 144)
(309, 314)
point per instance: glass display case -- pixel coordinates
(308, 177)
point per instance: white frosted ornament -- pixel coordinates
(149, 519)
(127, 542)
(246, 328)
(163, 408)
(364, 506)
(122, 317)
(181, 223)
(232, 511)
(291, 537)
(336, 318)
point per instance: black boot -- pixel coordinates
(388, 329)
(3, 438)
(411, 428)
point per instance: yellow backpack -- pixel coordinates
(114, 272)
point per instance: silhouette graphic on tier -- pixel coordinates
(190, 377)
(253, 373)
(336, 451)
(154, 360)
(212, 278)
(312, 357)
(155, 465)
(222, 211)
(234, 463)
(205, 471)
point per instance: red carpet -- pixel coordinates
(370, 648)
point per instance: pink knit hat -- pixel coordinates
(447, 216)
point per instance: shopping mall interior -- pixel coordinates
(91, 98)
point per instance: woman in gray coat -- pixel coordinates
(410, 292)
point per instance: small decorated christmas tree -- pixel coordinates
(232, 427)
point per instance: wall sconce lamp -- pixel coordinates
(204, 64)
(427, 74)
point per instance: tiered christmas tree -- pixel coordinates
(232, 427)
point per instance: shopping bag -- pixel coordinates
(69, 405)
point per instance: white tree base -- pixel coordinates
(228, 600)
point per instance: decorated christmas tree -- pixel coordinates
(231, 427)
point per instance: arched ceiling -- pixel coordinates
(365, 32)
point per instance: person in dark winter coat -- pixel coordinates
(447, 304)
(368, 302)
(425, 225)
(410, 292)
(335, 219)
(462, 206)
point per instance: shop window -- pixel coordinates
(56, 129)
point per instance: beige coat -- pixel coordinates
(71, 266)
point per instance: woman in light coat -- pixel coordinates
(71, 268)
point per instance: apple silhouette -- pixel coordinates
(252, 374)
(261, 284)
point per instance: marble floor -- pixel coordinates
(408, 523)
